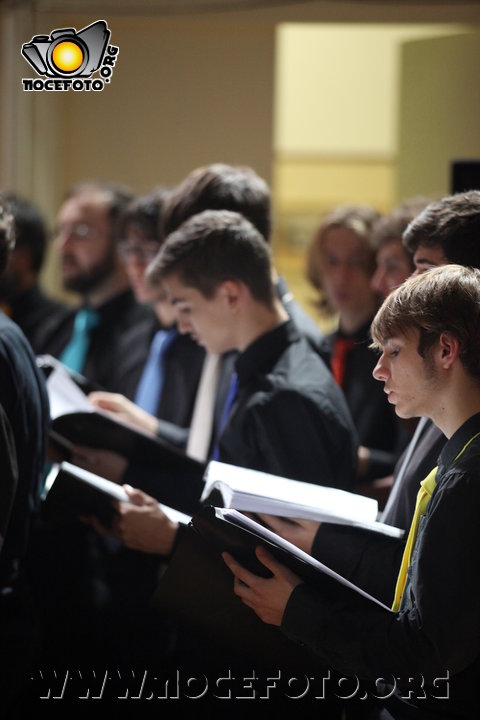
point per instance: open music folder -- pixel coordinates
(229, 486)
(197, 589)
(76, 421)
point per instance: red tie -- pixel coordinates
(339, 358)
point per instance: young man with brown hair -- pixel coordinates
(427, 650)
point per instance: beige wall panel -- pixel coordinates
(182, 95)
(439, 112)
(313, 185)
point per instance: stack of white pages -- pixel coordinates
(247, 490)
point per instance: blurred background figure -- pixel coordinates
(158, 368)
(340, 264)
(140, 227)
(21, 297)
(394, 261)
(86, 240)
(395, 264)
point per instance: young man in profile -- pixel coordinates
(428, 332)
(218, 186)
(288, 416)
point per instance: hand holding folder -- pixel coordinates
(231, 531)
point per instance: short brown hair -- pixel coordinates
(214, 246)
(452, 223)
(393, 224)
(221, 187)
(443, 299)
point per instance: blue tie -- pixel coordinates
(232, 394)
(149, 390)
(75, 352)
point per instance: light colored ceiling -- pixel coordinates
(198, 7)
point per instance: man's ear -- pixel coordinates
(449, 349)
(233, 292)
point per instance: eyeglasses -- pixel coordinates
(77, 231)
(145, 251)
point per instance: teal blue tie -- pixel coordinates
(75, 352)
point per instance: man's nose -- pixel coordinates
(380, 371)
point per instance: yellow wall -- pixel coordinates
(338, 117)
(337, 87)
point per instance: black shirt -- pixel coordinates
(436, 633)
(289, 417)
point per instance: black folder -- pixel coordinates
(197, 590)
(231, 531)
(71, 492)
(177, 477)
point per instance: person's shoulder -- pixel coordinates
(138, 313)
(11, 333)
(140, 332)
(17, 357)
(51, 305)
(307, 362)
(305, 323)
(302, 320)
(123, 312)
(295, 383)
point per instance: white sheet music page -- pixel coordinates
(64, 394)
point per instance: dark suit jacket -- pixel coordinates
(117, 316)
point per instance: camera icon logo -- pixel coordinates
(66, 53)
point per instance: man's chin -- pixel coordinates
(203, 345)
(402, 413)
(78, 284)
